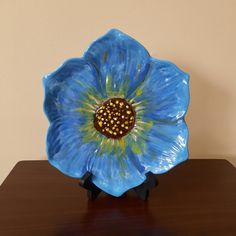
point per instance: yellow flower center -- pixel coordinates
(114, 118)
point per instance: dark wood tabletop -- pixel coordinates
(197, 197)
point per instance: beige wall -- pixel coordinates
(36, 36)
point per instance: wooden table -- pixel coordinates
(197, 197)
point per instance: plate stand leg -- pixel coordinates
(143, 189)
(92, 190)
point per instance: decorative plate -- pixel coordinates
(117, 113)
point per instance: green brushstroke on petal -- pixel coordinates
(86, 127)
(136, 148)
(122, 144)
(105, 56)
(148, 125)
(138, 71)
(139, 92)
(139, 67)
(93, 97)
(89, 133)
(105, 146)
(84, 109)
(108, 146)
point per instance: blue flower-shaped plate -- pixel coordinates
(116, 112)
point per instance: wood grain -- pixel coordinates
(197, 197)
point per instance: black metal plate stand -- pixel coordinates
(142, 190)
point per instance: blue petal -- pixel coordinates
(65, 91)
(165, 92)
(115, 176)
(166, 147)
(66, 88)
(65, 148)
(120, 56)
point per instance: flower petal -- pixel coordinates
(165, 92)
(67, 88)
(121, 58)
(116, 175)
(65, 149)
(66, 91)
(166, 146)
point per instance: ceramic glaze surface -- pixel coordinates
(117, 113)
